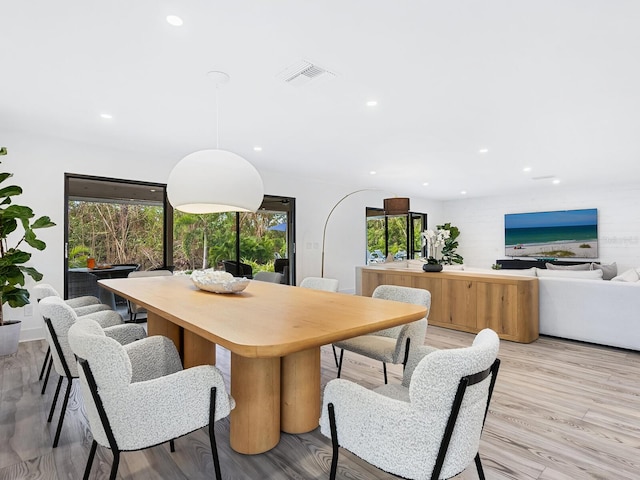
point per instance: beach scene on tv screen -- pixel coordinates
(560, 234)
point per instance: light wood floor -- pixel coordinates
(561, 411)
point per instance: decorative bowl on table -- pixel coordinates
(218, 282)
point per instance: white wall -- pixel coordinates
(39, 165)
(481, 221)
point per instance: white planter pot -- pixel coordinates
(9, 337)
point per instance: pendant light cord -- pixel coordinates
(217, 122)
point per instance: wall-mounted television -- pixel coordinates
(560, 234)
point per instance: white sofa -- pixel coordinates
(596, 311)
(590, 310)
(606, 312)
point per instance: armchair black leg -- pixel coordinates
(46, 378)
(44, 363)
(62, 412)
(334, 442)
(172, 446)
(340, 362)
(92, 453)
(114, 466)
(335, 355)
(384, 370)
(55, 400)
(212, 434)
(479, 467)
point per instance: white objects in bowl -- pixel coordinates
(216, 281)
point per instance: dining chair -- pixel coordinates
(328, 285)
(59, 317)
(391, 345)
(134, 310)
(429, 427)
(81, 284)
(138, 396)
(272, 277)
(81, 305)
(241, 270)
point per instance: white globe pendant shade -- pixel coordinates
(212, 181)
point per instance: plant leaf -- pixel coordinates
(30, 238)
(18, 211)
(14, 257)
(15, 297)
(10, 191)
(7, 226)
(43, 222)
(33, 273)
(4, 176)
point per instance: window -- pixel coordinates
(397, 236)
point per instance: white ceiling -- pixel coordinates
(551, 85)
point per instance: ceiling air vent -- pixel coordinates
(303, 72)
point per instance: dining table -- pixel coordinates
(274, 333)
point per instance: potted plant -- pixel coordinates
(450, 243)
(12, 259)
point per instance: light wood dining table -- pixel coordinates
(274, 333)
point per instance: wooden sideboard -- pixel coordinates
(468, 301)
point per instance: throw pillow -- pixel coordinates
(585, 274)
(581, 266)
(608, 271)
(628, 276)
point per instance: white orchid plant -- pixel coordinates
(434, 240)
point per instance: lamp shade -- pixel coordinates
(396, 206)
(212, 181)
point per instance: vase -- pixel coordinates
(432, 267)
(9, 337)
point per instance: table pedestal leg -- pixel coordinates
(156, 325)
(300, 390)
(255, 386)
(193, 349)
(197, 350)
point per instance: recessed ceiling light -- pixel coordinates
(372, 103)
(425, 184)
(463, 192)
(555, 181)
(372, 172)
(526, 169)
(257, 149)
(174, 20)
(152, 190)
(108, 116)
(483, 150)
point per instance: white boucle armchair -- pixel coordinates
(391, 345)
(427, 428)
(137, 395)
(82, 306)
(59, 317)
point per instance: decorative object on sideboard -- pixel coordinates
(432, 267)
(440, 245)
(12, 268)
(449, 255)
(432, 240)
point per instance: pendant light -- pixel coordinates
(214, 180)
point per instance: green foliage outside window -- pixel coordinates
(128, 233)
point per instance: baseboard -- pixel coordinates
(30, 334)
